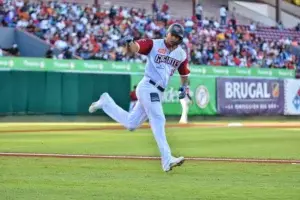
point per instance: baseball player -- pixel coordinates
(165, 56)
(185, 101)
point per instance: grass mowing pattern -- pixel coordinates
(190, 142)
(51, 179)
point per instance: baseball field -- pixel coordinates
(225, 161)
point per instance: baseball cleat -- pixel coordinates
(175, 162)
(98, 104)
(93, 107)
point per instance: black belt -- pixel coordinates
(158, 87)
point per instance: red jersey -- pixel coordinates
(133, 96)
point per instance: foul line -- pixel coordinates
(240, 160)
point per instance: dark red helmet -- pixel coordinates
(176, 29)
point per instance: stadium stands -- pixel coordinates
(91, 32)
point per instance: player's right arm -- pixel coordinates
(132, 47)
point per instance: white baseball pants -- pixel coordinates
(149, 106)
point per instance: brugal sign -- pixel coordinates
(250, 96)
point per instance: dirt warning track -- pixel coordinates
(239, 160)
(58, 127)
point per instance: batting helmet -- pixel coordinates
(178, 30)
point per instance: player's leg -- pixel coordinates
(137, 116)
(151, 98)
(131, 105)
(130, 120)
(185, 109)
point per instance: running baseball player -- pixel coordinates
(165, 57)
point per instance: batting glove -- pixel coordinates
(126, 40)
(183, 91)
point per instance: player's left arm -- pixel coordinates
(184, 72)
(184, 80)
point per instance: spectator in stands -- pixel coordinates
(154, 7)
(223, 15)
(297, 60)
(67, 53)
(198, 11)
(14, 50)
(165, 7)
(112, 13)
(49, 53)
(188, 26)
(205, 22)
(294, 42)
(297, 28)
(94, 33)
(252, 26)
(2, 13)
(233, 13)
(280, 25)
(232, 21)
(19, 3)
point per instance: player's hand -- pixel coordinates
(126, 40)
(183, 91)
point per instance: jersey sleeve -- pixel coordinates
(183, 69)
(145, 46)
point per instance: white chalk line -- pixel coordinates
(131, 157)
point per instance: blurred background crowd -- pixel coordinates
(94, 32)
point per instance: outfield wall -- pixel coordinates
(67, 87)
(28, 92)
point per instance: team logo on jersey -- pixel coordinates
(166, 59)
(162, 51)
(202, 96)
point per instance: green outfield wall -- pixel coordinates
(46, 86)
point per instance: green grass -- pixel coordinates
(87, 179)
(198, 142)
(48, 178)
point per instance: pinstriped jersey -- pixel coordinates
(163, 63)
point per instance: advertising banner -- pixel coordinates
(241, 72)
(250, 96)
(109, 67)
(292, 97)
(202, 91)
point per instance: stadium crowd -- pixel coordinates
(92, 32)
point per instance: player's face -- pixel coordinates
(172, 39)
